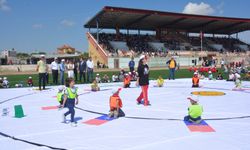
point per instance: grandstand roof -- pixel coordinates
(138, 19)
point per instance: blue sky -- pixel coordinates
(44, 25)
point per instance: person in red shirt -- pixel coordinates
(126, 81)
(143, 80)
(115, 104)
(30, 82)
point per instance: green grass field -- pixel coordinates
(154, 74)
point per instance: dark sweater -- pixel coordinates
(143, 74)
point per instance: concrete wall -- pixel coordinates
(153, 62)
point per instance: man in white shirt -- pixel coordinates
(54, 68)
(90, 70)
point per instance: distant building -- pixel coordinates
(10, 57)
(66, 49)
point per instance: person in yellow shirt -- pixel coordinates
(160, 81)
(94, 86)
(195, 110)
(171, 65)
(42, 68)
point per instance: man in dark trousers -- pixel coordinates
(131, 65)
(171, 65)
(82, 69)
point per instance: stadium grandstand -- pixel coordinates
(190, 38)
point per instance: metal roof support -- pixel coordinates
(97, 31)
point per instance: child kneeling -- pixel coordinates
(195, 80)
(115, 104)
(160, 82)
(194, 110)
(94, 86)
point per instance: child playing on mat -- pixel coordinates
(126, 81)
(194, 110)
(60, 95)
(195, 80)
(115, 104)
(210, 75)
(30, 82)
(70, 100)
(94, 86)
(160, 81)
(237, 80)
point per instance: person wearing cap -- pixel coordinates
(82, 69)
(143, 80)
(126, 81)
(30, 82)
(5, 82)
(54, 69)
(60, 95)
(42, 68)
(237, 80)
(195, 110)
(98, 78)
(62, 71)
(171, 65)
(210, 75)
(115, 104)
(195, 80)
(131, 65)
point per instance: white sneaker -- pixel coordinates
(73, 124)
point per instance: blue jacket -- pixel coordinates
(131, 64)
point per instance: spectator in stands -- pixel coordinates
(70, 68)
(171, 65)
(82, 69)
(54, 69)
(42, 69)
(90, 70)
(76, 70)
(62, 70)
(131, 65)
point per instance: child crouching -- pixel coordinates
(115, 104)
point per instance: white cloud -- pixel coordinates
(67, 23)
(37, 26)
(4, 6)
(200, 9)
(220, 7)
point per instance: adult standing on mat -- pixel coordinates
(42, 68)
(54, 68)
(143, 80)
(171, 65)
(90, 70)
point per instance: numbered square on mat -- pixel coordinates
(95, 122)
